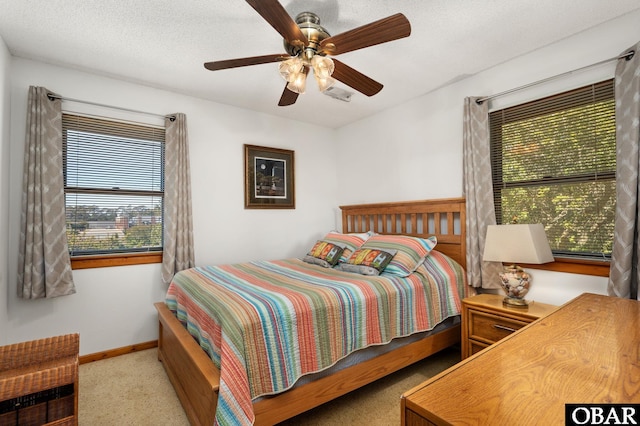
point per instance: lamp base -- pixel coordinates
(515, 282)
(512, 302)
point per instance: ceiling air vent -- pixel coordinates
(337, 93)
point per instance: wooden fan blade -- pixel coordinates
(381, 31)
(355, 79)
(243, 62)
(276, 15)
(288, 97)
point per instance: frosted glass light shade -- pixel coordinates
(291, 68)
(298, 83)
(324, 83)
(322, 66)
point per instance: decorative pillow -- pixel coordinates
(350, 242)
(368, 261)
(411, 251)
(324, 253)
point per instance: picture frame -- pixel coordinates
(268, 178)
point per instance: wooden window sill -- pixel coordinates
(122, 259)
(573, 266)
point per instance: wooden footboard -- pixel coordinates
(196, 379)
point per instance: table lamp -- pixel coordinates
(516, 243)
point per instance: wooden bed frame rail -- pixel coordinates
(196, 379)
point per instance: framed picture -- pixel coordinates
(268, 178)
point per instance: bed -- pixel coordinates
(196, 379)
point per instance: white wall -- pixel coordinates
(113, 306)
(416, 148)
(5, 116)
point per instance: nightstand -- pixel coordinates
(485, 320)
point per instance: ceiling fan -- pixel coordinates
(308, 46)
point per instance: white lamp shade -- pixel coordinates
(517, 243)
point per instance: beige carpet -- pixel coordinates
(133, 389)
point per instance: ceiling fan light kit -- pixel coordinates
(307, 56)
(295, 70)
(309, 46)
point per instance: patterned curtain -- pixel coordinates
(623, 278)
(478, 190)
(44, 265)
(178, 252)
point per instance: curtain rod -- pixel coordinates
(52, 96)
(627, 56)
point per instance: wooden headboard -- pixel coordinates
(445, 218)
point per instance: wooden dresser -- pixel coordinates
(485, 320)
(586, 351)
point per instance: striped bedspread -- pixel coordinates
(265, 324)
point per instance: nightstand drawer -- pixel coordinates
(485, 320)
(490, 328)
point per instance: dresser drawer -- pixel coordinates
(476, 346)
(489, 328)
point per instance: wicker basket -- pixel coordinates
(39, 382)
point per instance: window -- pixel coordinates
(114, 187)
(554, 162)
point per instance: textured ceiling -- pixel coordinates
(164, 43)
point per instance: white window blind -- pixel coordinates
(114, 185)
(554, 162)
